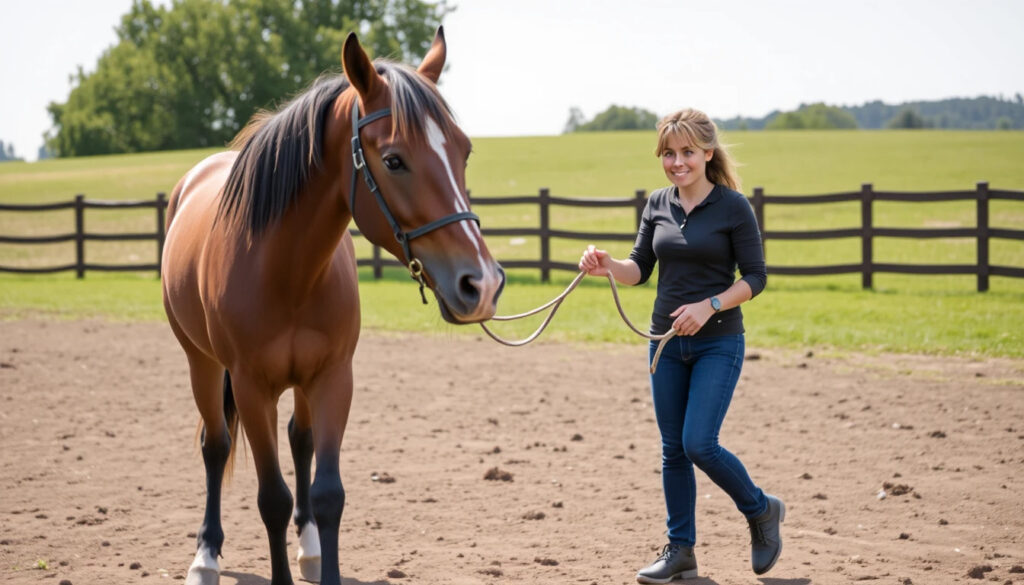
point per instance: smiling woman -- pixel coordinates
(698, 231)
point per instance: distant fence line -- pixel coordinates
(867, 231)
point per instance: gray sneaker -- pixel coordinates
(675, 562)
(766, 537)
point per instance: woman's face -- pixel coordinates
(684, 163)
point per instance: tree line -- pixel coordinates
(981, 113)
(191, 74)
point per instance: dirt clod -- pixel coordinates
(978, 571)
(496, 474)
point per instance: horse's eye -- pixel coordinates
(393, 163)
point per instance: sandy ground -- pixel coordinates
(101, 480)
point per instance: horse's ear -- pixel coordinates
(433, 63)
(358, 67)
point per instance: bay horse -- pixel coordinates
(260, 283)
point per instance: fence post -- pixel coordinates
(545, 235)
(80, 236)
(758, 204)
(983, 268)
(640, 202)
(867, 195)
(378, 265)
(161, 233)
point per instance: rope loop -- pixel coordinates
(556, 302)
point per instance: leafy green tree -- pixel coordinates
(907, 119)
(786, 121)
(192, 74)
(813, 117)
(620, 118)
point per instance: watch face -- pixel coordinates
(716, 304)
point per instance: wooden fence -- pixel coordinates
(867, 231)
(80, 236)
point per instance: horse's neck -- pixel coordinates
(304, 242)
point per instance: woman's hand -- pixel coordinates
(595, 262)
(691, 317)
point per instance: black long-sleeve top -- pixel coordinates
(698, 254)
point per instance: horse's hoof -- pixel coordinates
(202, 576)
(309, 567)
(309, 553)
(204, 569)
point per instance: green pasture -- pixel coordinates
(942, 315)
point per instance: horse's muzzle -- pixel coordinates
(472, 295)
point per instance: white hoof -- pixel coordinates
(309, 553)
(204, 570)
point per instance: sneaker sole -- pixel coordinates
(691, 574)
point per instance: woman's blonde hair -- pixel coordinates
(696, 128)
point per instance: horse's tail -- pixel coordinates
(231, 416)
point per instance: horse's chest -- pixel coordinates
(296, 358)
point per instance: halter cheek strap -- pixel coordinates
(403, 237)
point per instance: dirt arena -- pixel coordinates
(894, 469)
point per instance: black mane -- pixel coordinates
(280, 151)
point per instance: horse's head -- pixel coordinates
(411, 195)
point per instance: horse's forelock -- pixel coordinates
(413, 101)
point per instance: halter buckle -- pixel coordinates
(357, 153)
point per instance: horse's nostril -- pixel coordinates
(468, 289)
(501, 286)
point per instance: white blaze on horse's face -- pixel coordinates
(490, 281)
(437, 141)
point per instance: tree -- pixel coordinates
(620, 118)
(576, 119)
(814, 117)
(907, 119)
(7, 152)
(786, 121)
(192, 74)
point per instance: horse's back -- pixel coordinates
(192, 211)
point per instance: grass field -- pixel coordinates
(904, 313)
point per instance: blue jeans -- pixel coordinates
(692, 390)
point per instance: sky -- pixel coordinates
(516, 67)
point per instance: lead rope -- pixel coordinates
(557, 302)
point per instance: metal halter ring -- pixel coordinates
(416, 269)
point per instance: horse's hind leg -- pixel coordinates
(300, 437)
(257, 407)
(211, 388)
(330, 398)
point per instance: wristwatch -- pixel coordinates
(716, 304)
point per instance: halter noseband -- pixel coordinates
(403, 237)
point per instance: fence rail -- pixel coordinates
(867, 232)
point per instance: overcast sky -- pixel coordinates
(517, 66)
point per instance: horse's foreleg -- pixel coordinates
(330, 398)
(209, 392)
(257, 407)
(300, 437)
